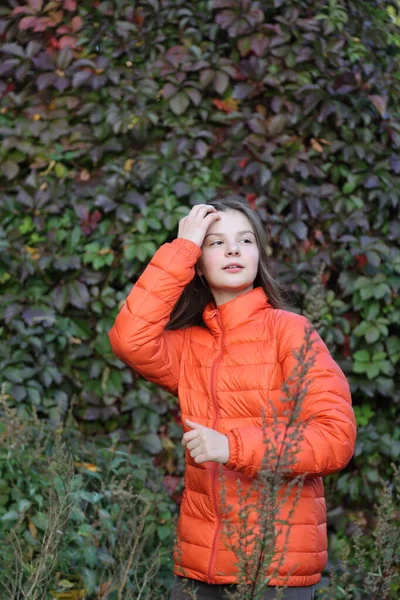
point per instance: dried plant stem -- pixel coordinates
(137, 535)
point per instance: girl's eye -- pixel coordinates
(218, 242)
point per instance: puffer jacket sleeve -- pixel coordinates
(324, 430)
(138, 336)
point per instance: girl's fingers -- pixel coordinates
(202, 209)
(188, 436)
(196, 452)
(200, 459)
(192, 444)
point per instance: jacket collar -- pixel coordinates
(235, 312)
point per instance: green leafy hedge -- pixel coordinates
(117, 117)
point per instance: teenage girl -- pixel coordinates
(205, 322)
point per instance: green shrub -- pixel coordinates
(98, 520)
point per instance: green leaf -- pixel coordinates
(179, 103)
(373, 334)
(11, 515)
(221, 82)
(40, 520)
(90, 555)
(373, 370)
(141, 225)
(10, 169)
(151, 442)
(381, 290)
(362, 356)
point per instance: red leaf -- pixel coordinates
(76, 23)
(171, 483)
(242, 163)
(42, 24)
(251, 199)
(70, 5)
(63, 30)
(22, 10)
(361, 260)
(227, 106)
(67, 41)
(54, 43)
(36, 5)
(138, 19)
(27, 22)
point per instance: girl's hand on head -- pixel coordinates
(205, 444)
(194, 226)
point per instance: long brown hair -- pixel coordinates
(196, 295)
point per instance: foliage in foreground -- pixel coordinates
(95, 524)
(99, 525)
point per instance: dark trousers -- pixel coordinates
(183, 590)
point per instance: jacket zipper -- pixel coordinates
(215, 467)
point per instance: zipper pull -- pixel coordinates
(211, 315)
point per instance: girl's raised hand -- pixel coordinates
(205, 444)
(194, 226)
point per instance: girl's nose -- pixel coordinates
(233, 250)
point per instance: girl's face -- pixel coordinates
(229, 241)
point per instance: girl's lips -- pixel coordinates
(233, 269)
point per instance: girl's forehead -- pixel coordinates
(231, 221)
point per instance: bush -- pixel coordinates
(97, 521)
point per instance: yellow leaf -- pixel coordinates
(129, 164)
(69, 595)
(88, 466)
(64, 583)
(51, 166)
(32, 529)
(316, 145)
(33, 252)
(104, 588)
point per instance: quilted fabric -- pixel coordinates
(224, 376)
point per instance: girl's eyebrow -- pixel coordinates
(238, 233)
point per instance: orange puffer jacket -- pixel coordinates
(224, 376)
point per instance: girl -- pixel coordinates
(205, 322)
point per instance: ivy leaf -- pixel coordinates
(10, 169)
(179, 103)
(206, 77)
(13, 48)
(380, 103)
(78, 294)
(276, 124)
(81, 77)
(221, 82)
(151, 442)
(45, 80)
(194, 95)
